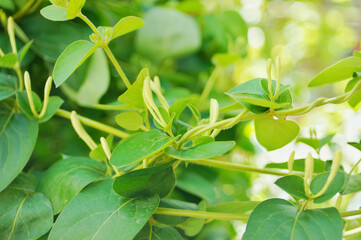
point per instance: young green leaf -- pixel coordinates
(22, 52)
(355, 100)
(146, 182)
(319, 181)
(54, 104)
(129, 120)
(7, 4)
(99, 213)
(60, 3)
(7, 86)
(253, 95)
(24, 214)
(275, 133)
(316, 143)
(17, 140)
(356, 145)
(98, 153)
(178, 107)
(279, 219)
(70, 59)
(134, 95)
(299, 165)
(353, 184)
(54, 13)
(293, 185)
(67, 177)
(126, 25)
(176, 204)
(74, 7)
(206, 150)
(139, 146)
(340, 71)
(8, 61)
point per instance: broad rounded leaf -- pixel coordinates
(53, 105)
(17, 140)
(24, 214)
(293, 185)
(70, 59)
(54, 13)
(146, 182)
(155, 232)
(279, 219)
(355, 100)
(67, 177)
(340, 71)
(7, 86)
(99, 213)
(139, 146)
(167, 33)
(194, 225)
(126, 25)
(129, 120)
(201, 151)
(353, 184)
(275, 133)
(23, 102)
(319, 181)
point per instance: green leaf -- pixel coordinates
(293, 185)
(17, 140)
(60, 3)
(194, 225)
(74, 7)
(23, 101)
(299, 165)
(54, 13)
(67, 177)
(155, 232)
(134, 95)
(218, 230)
(99, 213)
(7, 4)
(233, 207)
(70, 59)
(355, 145)
(279, 219)
(22, 52)
(201, 151)
(355, 100)
(90, 82)
(176, 204)
(53, 105)
(340, 71)
(126, 25)
(129, 120)
(146, 182)
(167, 33)
(315, 143)
(275, 133)
(178, 107)
(24, 214)
(7, 86)
(353, 184)
(139, 146)
(253, 95)
(8, 60)
(98, 153)
(225, 59)
(319, 181)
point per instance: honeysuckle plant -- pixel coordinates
(124, 188)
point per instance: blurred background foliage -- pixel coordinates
(185, 43)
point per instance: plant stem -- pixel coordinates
(241, 168)
(20, 76)
(117, 66)
(23, 10)
(351, 213)
(200, 214)
(209, 85)
(352, 233)
(94, 124)
(106, 49)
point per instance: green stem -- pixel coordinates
(352, 233)
(20, 76)
(23, 10)
(351, 213)
(241, 168)
(117, 66)
(94, 124)
(200, 214)
(209, 85)
(107, 50)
